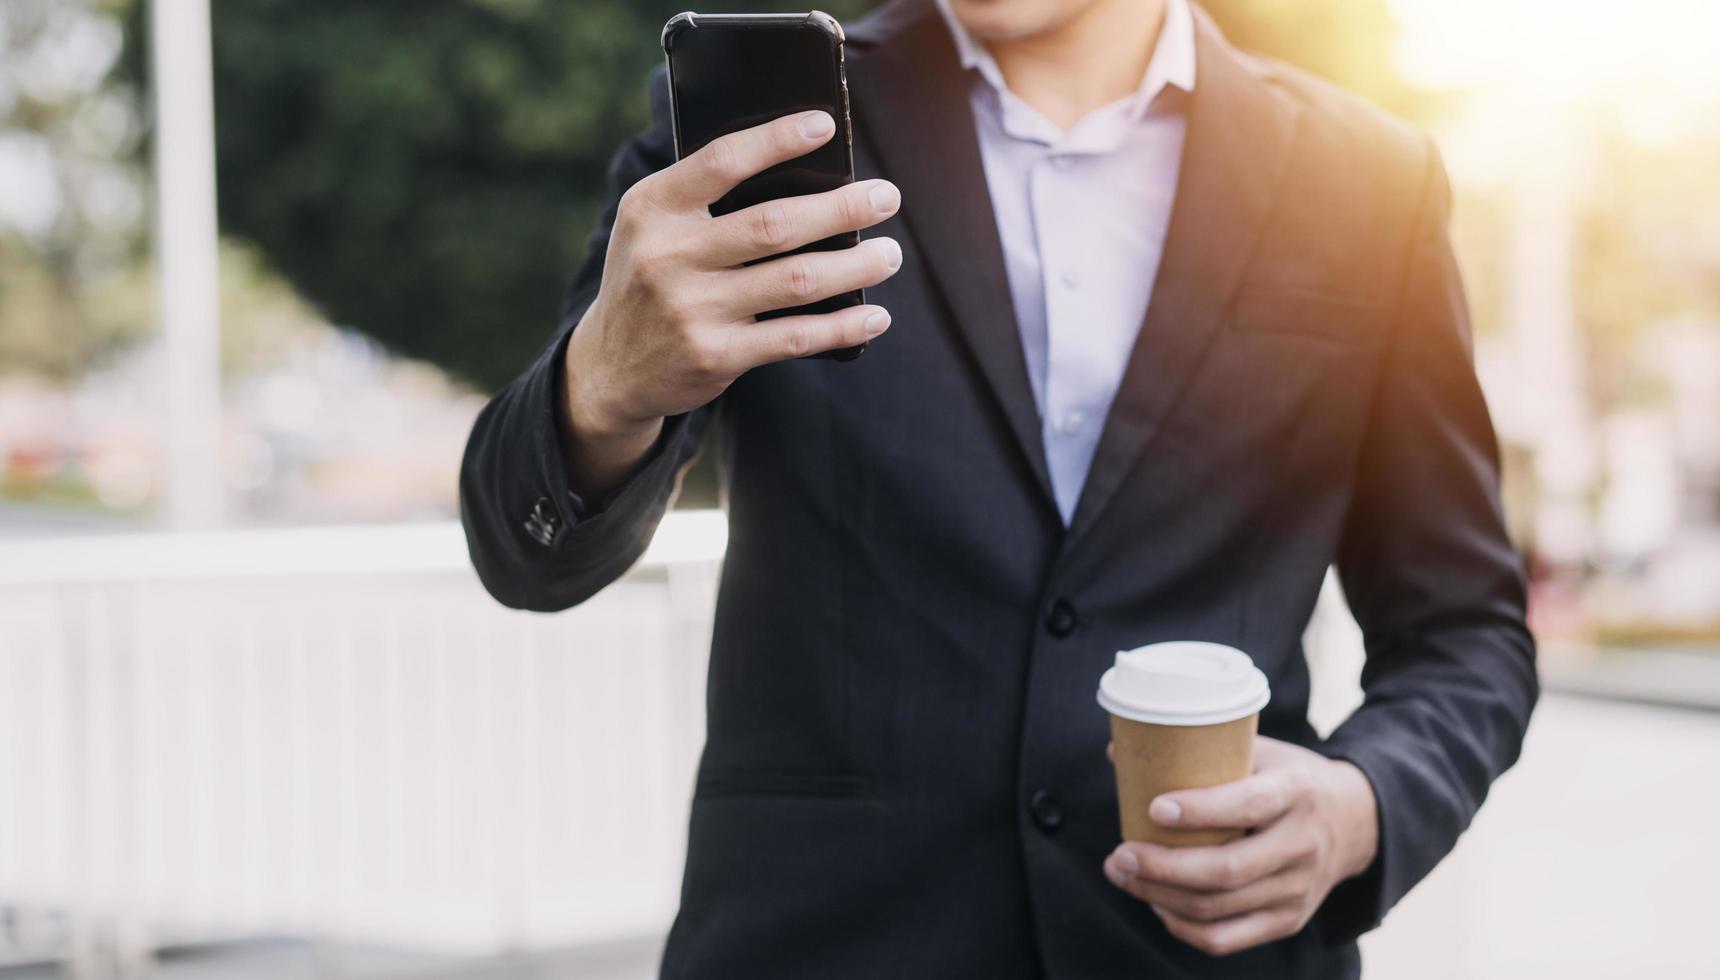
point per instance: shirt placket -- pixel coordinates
(1067, 412)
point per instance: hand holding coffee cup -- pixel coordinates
(1183, 716)
(1263, 829)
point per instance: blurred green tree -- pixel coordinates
(70, 200)
(427, 172)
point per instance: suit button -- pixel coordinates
(1046, 813)
(541, 523)
(1060, 619)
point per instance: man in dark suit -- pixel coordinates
(1174, 330)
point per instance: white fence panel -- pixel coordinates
(336, 733)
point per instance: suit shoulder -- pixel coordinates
(1354, 137)
(1356, 187)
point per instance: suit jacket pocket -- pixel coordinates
(809, 783)
(1317, 314)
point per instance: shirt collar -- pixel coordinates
(1172, 63)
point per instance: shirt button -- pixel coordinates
(1070, 279)
(1060, 619)
(1045, 811)
(1061, 162)
(1069, 423)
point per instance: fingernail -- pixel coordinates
(1156, 910)
(1165, 812)
(892, 253)
(884, 197)
(1116, 876)
(877, 323)
(817, 125)
(1126, 861)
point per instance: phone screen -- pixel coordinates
(731, 78)
(728, 77)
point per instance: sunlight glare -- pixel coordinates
(1653, 60)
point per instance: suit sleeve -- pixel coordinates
(535, 543)
(1436, 586)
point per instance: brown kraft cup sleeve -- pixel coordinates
(1154, 759)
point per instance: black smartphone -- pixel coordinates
(729, 72)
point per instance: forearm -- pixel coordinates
(1444, 715)
(513, 493)
(532, 547)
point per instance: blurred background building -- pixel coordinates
(279, 731)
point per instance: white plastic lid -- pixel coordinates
(1186, 682)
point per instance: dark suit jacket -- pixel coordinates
(904, 773)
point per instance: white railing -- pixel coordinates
(335, 733)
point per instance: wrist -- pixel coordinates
(593, 409)
(601, 445)
(591, 420)
(1362, 838)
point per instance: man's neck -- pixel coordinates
(1096, 58)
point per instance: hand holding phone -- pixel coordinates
(728, 72)
(675, 318)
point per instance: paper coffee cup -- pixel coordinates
(1183, 716)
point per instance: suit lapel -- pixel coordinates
(1235, 151)
(911, 102)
